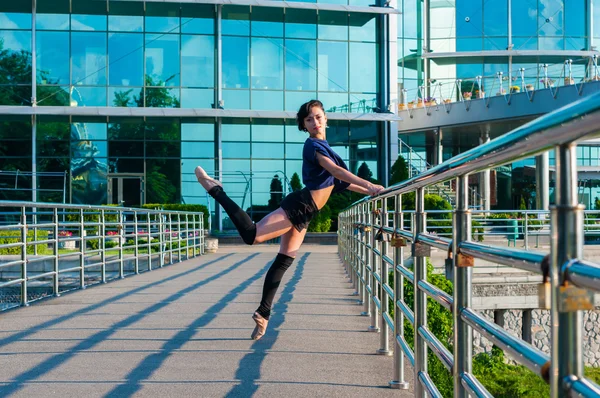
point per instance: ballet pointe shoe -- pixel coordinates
(205, 180)
(261, 326)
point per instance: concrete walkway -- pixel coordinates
(183, 331)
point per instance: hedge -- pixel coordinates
(14, 236)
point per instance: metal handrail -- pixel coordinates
(49, 248)
(366, 232)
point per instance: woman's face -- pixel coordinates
(315, 122)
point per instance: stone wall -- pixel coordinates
(540, 332)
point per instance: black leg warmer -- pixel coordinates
(272, 281)
(239, 217)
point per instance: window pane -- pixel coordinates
(362, 27)
(333, 66)
(162, 60)
(17, 47)
(267, 21)
(197, 98)
(271, 132)
(126, 56)
(52, 57)
(469, 18)
(333, 25)
(88, 22)
(267, 64)
(267, 100)
(10, 20)
(197, 61)
(495, 18)
(550, 18)
(88, 96)
(363, 71)
(126, 16)
(198, 131)
(235, 62)
(236, 99)
(524, 18)
(236, 150)
(236, 20)
(301, 24)
(162, 98)
(300, 65)
(575, 22)
(235, 130)
(88, 52)
(198, 149)
(124, 97)
(197, 18)
(162, 17)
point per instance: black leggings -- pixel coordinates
(272, 281)
(239, 217)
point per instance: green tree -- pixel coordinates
(399, 171)
(295, 182)
(276, 190)
(364, 172)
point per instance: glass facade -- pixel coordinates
(123, 54)
(469, 38)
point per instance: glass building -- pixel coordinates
(117, 101)
(488, 48)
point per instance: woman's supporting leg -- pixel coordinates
(273, 225)
(290, 243)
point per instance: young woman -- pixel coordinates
(323, 173)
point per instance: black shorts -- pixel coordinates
(300, 208)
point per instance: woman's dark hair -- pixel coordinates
(305, 110)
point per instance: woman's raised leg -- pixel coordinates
(288, 248)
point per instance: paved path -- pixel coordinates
(183, 330)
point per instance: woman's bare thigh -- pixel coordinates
(291, 242)
(273, 225)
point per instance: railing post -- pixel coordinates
(567, 243)
(55, 251)
(103, 246)
(82, 244)
(366, 261)
(122, 241)
(24, 301)
(374, 313)
(463, 335)
(385, 329)
(398, 382)
(149, 226)
(349, 220)
(420, 309)
(161, 241)
(364, 297)
(170, 239)
(135, 237)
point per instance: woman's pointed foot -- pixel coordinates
(205, 180)
(261, 326)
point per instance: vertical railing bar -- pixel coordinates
(103, 245)
(24, 300)
(420, 309)
(55, 251)
(149, 226)
(82, 244)
(383, 266)
(374, 313)
(135, 241)
(122, 241)
(566, 244)
(367, 260)
(463, 334)
(398, 381)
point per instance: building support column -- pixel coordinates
(383, 173)
(218, 105)
(484, 177)
(426, 35)
(33, 103)
(542, 181)
(438, 154)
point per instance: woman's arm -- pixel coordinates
(346, 176)
(359, 189)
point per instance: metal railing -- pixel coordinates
(369, 246)
(47, 249)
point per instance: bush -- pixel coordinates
(180, 207)
(14, 236)
(322, 221)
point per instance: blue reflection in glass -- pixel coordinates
(11, 20)
(267, 100)
(495, 18)
(197, 19)
(301, 65)
(162, 24)
(301, 24)
(88, 163)
(162, 60)
(125, 23)
(362, 27)
(409, 15)
(16, 40)
(52, 21)
(236, 20)
(575, 18)
(524, 18)
(525, 43)
(495, 43)
(197, 149)
(88, 96)
(235, 62)
(293, 100)
(267, 132)
(197, 61)
(267, 63)
(551, 43)
(267, 21)
(468, 18)
(52, 57)
(236, 99)
(125, 97)
(236, 150)
(333, 66)
(333, 25)
(197, 98)
(162, 97)
(470, 44)
(363, 69)
(239, 130)
(126, 56)
(267, 150)
(88, 22)
(197, 131)
(88, 56)
(334, 102)
(550, 18)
